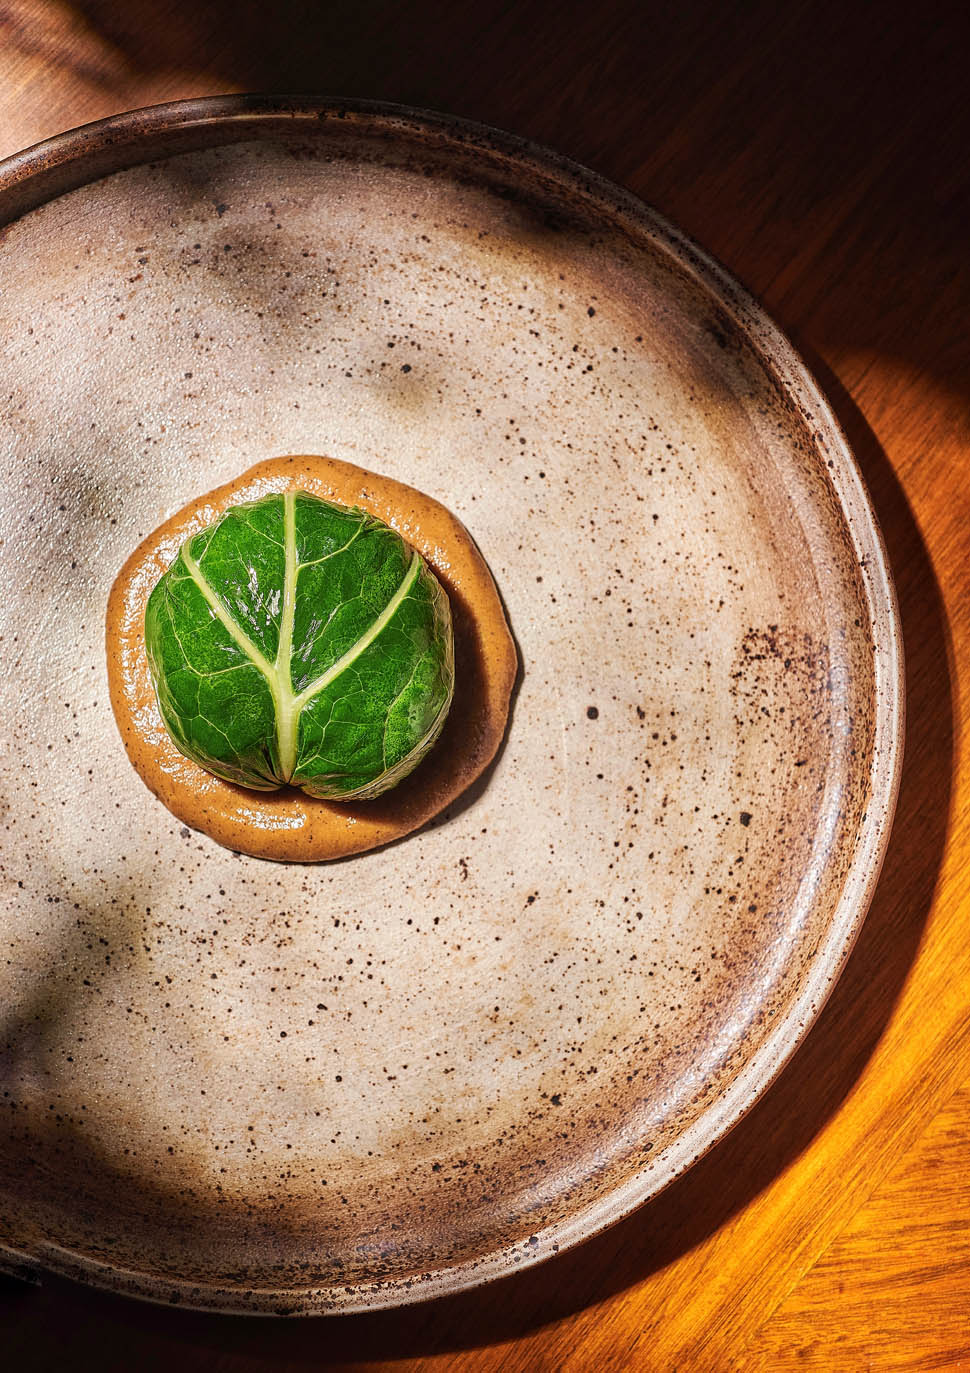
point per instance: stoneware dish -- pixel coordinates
(264, 1087)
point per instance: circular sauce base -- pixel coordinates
(288, 825)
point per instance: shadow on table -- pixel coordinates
(760, 128)
(777, 1130)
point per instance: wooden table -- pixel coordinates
(821, 151)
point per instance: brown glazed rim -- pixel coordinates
(41, 173)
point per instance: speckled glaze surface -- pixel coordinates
(254, 1086)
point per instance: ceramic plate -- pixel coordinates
(249, 1086)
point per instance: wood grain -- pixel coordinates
(861, 1297)
(822, 157)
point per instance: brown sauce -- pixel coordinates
(288, 825)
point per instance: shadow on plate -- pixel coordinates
(59, 1321)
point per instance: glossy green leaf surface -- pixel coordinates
(298, 641)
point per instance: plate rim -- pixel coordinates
(40, 173)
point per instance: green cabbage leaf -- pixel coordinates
(300, 642)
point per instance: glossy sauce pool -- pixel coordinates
(288, 825)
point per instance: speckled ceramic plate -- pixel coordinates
(251, 1086)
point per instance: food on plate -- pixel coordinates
(287, 823)
(299, 641)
